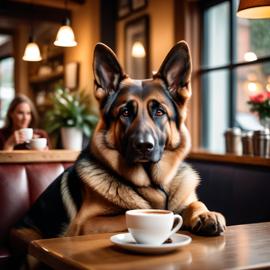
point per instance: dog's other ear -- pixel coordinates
(176, 72)
(107, 71)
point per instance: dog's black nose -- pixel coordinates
(145, 144)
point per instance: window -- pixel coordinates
(6, 85)
(235, 65)
(6, 74)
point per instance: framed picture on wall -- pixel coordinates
(138, 4)
(137, 47)
(123, 8)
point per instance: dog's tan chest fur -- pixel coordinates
(106, 198)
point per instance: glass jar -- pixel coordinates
(233, 141)
(261, 142)
(247, 144)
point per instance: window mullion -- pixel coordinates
(232, 75)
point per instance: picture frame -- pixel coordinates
(72, 75)
(123, 8)
(138, 4)
(137, 30)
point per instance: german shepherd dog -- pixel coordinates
(135, 157)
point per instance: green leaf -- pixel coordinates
(91, 118)
(86, 130)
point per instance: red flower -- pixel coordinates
(260, 104)
(260, 98)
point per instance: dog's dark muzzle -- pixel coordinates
(143, 148)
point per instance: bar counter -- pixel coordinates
(23, 156)
(228, 158)
(61, 155)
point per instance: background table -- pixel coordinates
(241, 247)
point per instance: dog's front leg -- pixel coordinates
(97, 224)
(200, 220)
(96, 215)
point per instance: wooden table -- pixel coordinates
(241, 247)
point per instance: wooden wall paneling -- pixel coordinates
(188, 27)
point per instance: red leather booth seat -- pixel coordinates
(20, 186)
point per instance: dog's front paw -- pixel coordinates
(208, 223)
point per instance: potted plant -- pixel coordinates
(260, 103)
(71, 115)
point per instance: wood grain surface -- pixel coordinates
(25, 156)
(241, 247)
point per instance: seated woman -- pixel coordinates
(21, 114)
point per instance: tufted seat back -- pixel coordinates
(20, 186)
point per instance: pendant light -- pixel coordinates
(254, 9)
(31, 52)
(65, 36)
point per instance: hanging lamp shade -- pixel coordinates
(65, 36)
(138, 50)
(254, 9)
(32, 52)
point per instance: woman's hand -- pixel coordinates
(18, 137)
(35, 136)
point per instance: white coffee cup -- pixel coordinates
(27, 133)
(38, 143)
(152, 226)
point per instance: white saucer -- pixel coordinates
(126, 241)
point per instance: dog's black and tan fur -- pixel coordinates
(135, 158)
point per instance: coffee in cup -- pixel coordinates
(27, 133)
(152, 226)
(38, 143)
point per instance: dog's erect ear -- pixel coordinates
(176, 72)
(107, 71)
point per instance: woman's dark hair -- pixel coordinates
(12, 106)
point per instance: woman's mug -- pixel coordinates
(38, 144)
(27, 133)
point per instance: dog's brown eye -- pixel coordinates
(125, 112)
(160, 112)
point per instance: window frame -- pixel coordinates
(231, 67)
(2, 118)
